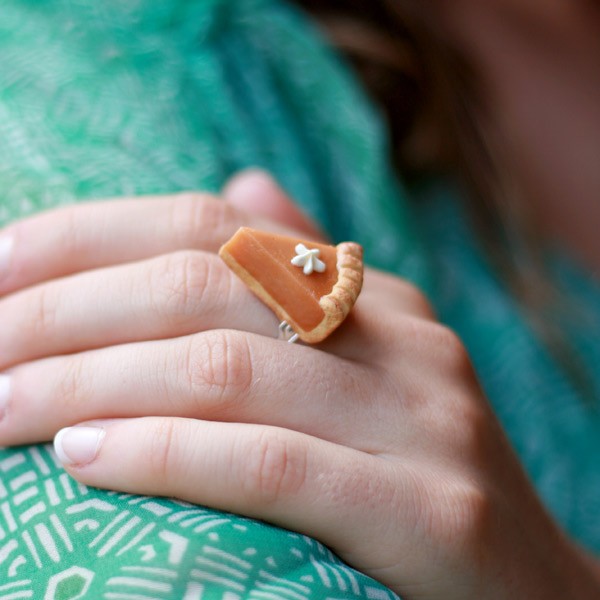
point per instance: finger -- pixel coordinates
(98, 234)
(169, 296)
(257, 193)
(220, 375)
(398, 294)
(290, 479)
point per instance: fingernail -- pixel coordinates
(253, 173)
(4, 393)
(239, 182)
(78, 445)
(6, 248)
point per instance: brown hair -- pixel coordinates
(439, 124)
(436, 114)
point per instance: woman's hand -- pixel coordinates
(378, 442)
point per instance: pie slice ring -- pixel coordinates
(311, 287)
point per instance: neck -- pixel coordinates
(539, 65)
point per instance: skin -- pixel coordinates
(378, 442)
(384, 447)
(538, 61)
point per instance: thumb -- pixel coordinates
(256, 192)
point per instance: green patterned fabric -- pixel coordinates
(102, 99)
(126, 97)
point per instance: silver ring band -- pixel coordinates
(286, 333)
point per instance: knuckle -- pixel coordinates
(416, 333)
(453, 512)
(469, 516)
(443, 337)
(476, 434)
(454, 351)
(362, 487)
(71, 390)
(42, 314)
(440, 342)
(464, 426)
(414, 298)
(161, 449)
(274, 466)
(196, 216)
(447, 338)
(219, 367)
(70, 240)
(178, 284)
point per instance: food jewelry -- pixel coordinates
(311, 287)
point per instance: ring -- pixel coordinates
(286, 333)
(311, 287)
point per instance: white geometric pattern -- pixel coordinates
(56, 537)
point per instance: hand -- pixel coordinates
(378, 442)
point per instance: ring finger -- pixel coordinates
(165, 297)
(169, 296)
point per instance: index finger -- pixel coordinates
(105, 233)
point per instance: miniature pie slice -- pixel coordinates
(310, 286)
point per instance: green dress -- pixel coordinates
(127, 97)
